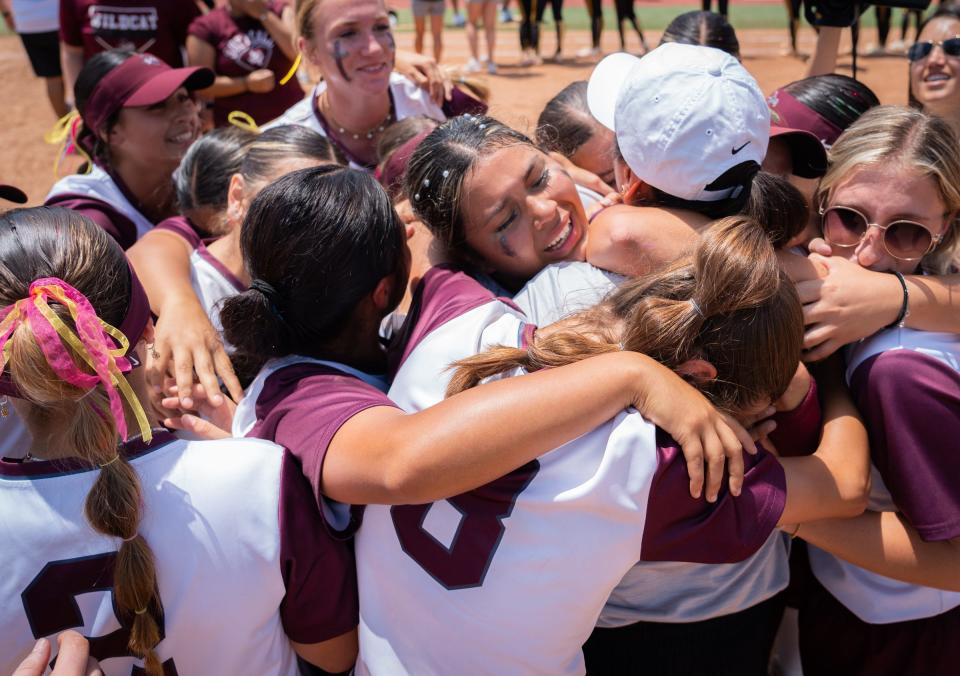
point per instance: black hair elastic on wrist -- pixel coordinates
(904, 306)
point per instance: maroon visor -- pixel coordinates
(809, 155)
(141, 80)
(789, 112)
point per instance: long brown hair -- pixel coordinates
(42, 242)
(727, 303)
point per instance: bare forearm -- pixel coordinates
(481, 434)
(224, 85)
(934, 303)
(162, 262)
(835, 480)
(282, 36)
(885, 544)
(824, 59)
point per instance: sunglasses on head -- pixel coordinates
(904, 240)
(921, 50)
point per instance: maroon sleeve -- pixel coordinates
(303, 406)
(681, 528)
(910, 403)
(798, 431)
(319, 573)
(116, 224)
(71, 25)
(443, 293)
(181, 227)
(461, 103)
(203, 28)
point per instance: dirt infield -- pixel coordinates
(518, 94)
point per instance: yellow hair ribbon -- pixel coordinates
(243, 120)
(61, 130)
(71, 339)
(63, 134)
(13, 316)
(293, 69)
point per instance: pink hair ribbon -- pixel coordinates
(92, 341)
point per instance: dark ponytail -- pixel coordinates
(315, 242)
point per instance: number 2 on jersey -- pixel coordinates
(465, 563)
(51, 607)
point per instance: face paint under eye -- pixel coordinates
(339, 54)
(391, 43)
(505, 245)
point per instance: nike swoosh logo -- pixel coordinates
(734, 151)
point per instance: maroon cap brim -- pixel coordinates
(809, 155)
(160, 87)
(12, 194)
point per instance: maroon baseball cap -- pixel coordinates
(141, 80)
(12, 194)
(809, 155)
(391, 175)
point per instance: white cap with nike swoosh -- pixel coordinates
(689, 120)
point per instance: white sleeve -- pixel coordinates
(561, 289)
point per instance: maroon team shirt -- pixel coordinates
(147, 26)
(302, 407)
(244, 45)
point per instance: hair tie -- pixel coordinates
(110, 461)
(267, 290)
(293, 69)
(131, 538)
(99, 344)
(142, 611)
(696, 308)
(243, 120)
(264, 287)
(64, 135)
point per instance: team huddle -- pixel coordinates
(386, 386)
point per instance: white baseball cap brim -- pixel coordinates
(605, 84)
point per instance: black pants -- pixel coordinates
(594, 7)
(532, 12)
(793, 16)
(731, 645)
(721, 6)
(625, 13)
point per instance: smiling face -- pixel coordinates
(351, 43)
(521, 212)
(933, 80)
(158, 134)
(884, 194)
